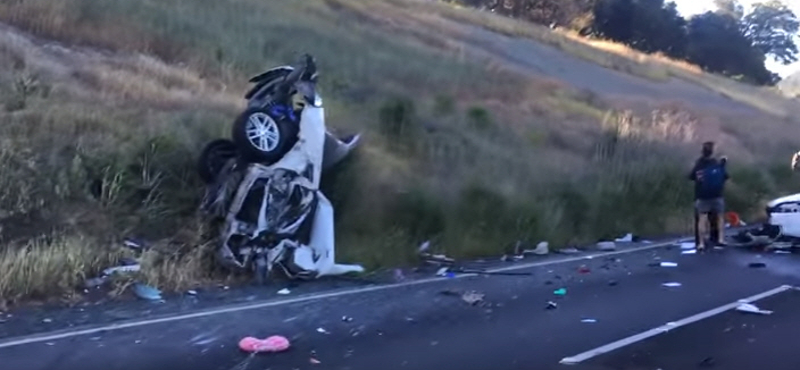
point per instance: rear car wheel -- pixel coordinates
(263, 137)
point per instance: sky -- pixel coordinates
(692, 7)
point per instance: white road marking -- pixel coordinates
(46, 337)
(574, 360)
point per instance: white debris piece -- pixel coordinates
(669, 264)
(442, 271)
(541, 249)
(751, 308)
(687, 245)
(672, 285)
(284, 291)
(689, 251)
(628, 238)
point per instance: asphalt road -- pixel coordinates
(428, 326)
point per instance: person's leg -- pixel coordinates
(719, 210)
(702, 229)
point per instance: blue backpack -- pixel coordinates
(713, 181)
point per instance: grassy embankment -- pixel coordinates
(98, 145)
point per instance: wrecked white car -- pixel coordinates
(784, 214)
(263, 185)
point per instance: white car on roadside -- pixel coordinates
(784, 213)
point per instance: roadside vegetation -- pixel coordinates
(99, 136)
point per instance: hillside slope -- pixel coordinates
(474, 138)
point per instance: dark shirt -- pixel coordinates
(701, 164)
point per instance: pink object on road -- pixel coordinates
(274, 343)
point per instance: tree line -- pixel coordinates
(730, 40)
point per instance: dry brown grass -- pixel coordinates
(473, 155)
(42, 269)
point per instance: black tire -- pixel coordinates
(274, 150)
(213, 158)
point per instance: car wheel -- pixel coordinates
(214, 157)
(262, 137)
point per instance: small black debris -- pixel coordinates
(551, 305)
(613, 283)
(757, 265)
(707, 362)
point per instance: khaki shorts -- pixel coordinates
(716, 206)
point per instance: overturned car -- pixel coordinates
(263, 185)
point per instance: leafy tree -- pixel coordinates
(717, 44)
(647, 25)
(771, 28)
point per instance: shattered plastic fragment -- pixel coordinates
(127, 268)
(191, 292)
(689, 251)
(274, 343)
(146, 292)
(671, 285)
(551, 305)
(541, 249)
(472, 298)
(625, 239)
(584, 269)
(668, 264)
(687, 245)
(314, 361)
(588, 321)
(398, 275)
(561, 291)
(322, 331)
(751, 308)
(424, 247)
(284, 291)
(442, 271)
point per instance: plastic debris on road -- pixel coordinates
(561, 291)
(442, 271)
(689, 251)
(584, 269)
(588, 321)
(688, 245)
(751, 308)
(782, 252)
(322, 331)
(472, 297)
(551, 305)
(275, 343)
(398, 275)
(541, 249)
(671, 285)
(147, 292)
(284, 291)
(314, 361)
(628, 238)
(607, 246)
(668, 264)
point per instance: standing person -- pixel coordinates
(709, 175)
